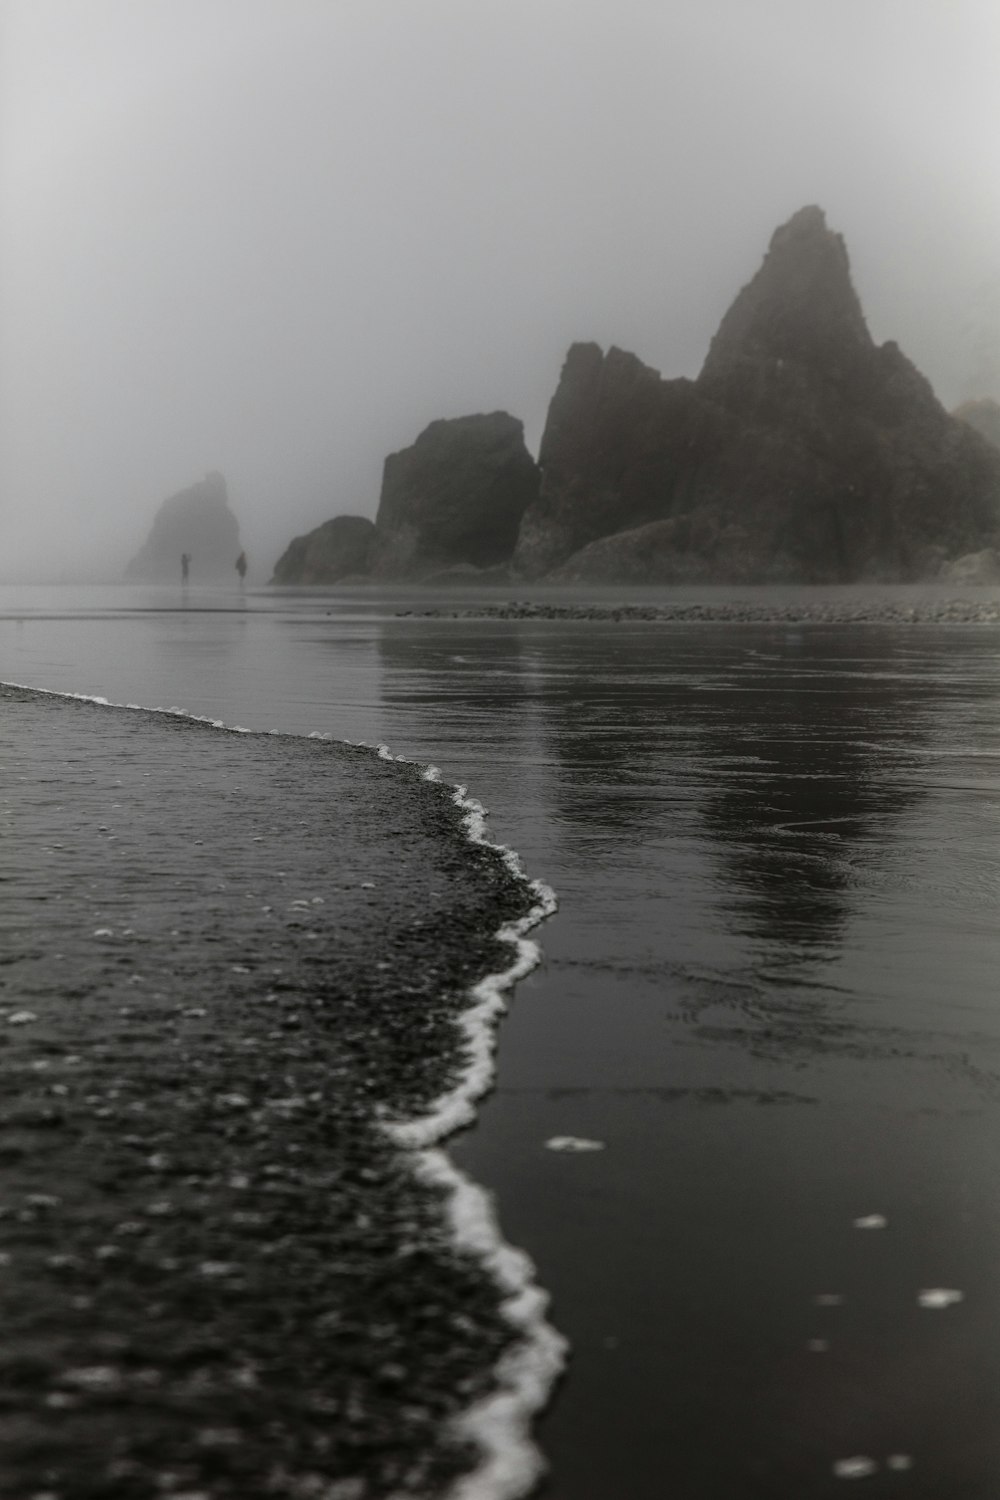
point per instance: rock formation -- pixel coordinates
(454, 498)
(197, 521)
(335, 550)
(974, 568)
(802, 452)
(983, 415)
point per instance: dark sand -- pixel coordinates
(220, 955)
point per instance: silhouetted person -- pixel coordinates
(185, 566)
(241, 566)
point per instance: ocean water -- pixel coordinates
(770, 994)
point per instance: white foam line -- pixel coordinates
(499, 1425)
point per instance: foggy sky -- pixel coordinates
(277, 237)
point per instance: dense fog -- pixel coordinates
(277, 237)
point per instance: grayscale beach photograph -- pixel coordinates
(499, 749)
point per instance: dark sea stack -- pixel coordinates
(804, 452)
(606, 457)
(984, 416)
(801, 306)
(330, 552)
(197, 521)
(455, 497)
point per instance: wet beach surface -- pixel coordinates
(770, 992)
(221, 956)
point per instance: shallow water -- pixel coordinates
(770, 991)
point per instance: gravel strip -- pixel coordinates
(803, 612)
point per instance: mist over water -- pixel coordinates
(768, 992)
(277, 240)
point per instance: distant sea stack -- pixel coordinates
(803, 452)
(197, 521)
(335, 550)
(455, 498)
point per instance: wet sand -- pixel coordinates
(769, 991)
(222, 956)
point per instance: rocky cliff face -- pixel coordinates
(456, 497)
(335, 550)
(802, 452)
(984, 416)
(197, 521)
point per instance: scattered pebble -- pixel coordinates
(218, 1437)
(21, 1017)
(829, 1299)
(900, 1463)
(93, 1378)
(872, 1221)
(573, 1143)
(344, 1489)
(939, 1297)
(818, 1346)
(213, 1268)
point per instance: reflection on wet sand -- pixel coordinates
(764, 995)
(826, 765)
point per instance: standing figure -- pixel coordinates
(241, 567)
(185, 566)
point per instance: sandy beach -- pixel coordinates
(767, 993)
(224, 955)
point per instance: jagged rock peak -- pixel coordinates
(803, 452)
(801, 306)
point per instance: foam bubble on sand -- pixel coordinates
(572, 1143)
(858, 1467)
(939, 1297)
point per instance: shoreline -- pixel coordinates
(460, 950)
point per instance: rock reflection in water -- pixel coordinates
(768, 991)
